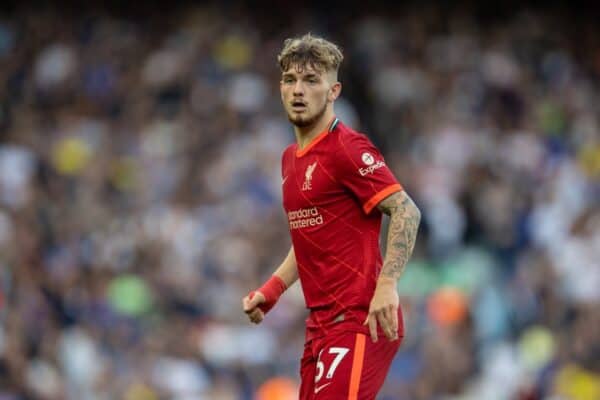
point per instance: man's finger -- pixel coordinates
(373, 327)
(253, 300)
(249, 305)
(246, 305)
(256, 316)
(384, 323)
(394, 321)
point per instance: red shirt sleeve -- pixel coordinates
(364, 172)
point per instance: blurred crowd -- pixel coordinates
(140, 198)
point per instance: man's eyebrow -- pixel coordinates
(308, 75)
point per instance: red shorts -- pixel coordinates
(345, 366)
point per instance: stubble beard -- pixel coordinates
(301, 122)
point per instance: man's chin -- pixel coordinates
(300, 122)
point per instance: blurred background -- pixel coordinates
(140, 196)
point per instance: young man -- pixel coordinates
(335, 187)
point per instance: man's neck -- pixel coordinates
(305, 135)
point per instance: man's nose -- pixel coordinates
(299, 88)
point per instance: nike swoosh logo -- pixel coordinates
(284, 179)
(319, 388)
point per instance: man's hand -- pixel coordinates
(383, 309)
(260, 301)
(250, 304)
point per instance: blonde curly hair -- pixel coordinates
(309, 50)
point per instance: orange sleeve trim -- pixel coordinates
(357, 366)
(373, 201)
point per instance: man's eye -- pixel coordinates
(288, 80)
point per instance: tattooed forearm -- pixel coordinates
(402, 232)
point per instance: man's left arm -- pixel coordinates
(402, 233)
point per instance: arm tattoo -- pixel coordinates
(402, 232)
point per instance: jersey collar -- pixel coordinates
(334, 122)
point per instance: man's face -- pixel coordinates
(305, 93)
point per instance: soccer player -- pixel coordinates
(336, 185)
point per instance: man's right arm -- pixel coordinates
(260, 301)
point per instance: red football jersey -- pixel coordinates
(330, 192)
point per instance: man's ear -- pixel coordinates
(334, 92)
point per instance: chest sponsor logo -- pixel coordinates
(307, 185)
(371, 165)
(304, 218)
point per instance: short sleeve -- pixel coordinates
(283, 164)
(364, 171)
(285, 157)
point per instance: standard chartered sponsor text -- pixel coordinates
(304, 217)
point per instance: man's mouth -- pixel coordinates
(298, 105)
